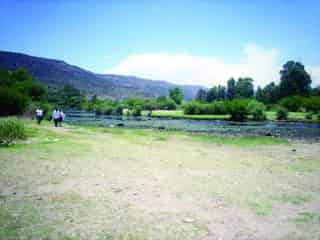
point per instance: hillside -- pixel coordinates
(58, 73)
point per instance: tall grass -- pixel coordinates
(11, 129)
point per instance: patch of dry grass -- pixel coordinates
(93, 183)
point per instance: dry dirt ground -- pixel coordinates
(94, 183)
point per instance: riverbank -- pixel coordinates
(81, 182)
(271, 116)
(279, 129)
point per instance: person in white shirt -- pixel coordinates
(61, 118)
(55, 117)
(39, 115)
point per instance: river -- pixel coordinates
(292, 130)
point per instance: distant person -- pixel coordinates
(56, 117)
(61, 117)
(39, 115)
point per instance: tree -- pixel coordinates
(269, 94)
(212, 94)
(244, 88)
(294, 79)
(221, 90)
(315, 91)
(176, 95)
(259, 94)
(231, 87)
(201, 95)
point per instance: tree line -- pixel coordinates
(294, 80)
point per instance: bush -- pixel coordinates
(192, 108)
(257, 110)
(118, 110)
(238, 109)
(318, 116)
(282, 113)
(12, 102)
(292, 103)
(309, 116)
(312, 104)
(136, 112)
(107, 110)
(11, 129)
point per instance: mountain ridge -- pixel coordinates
(57, 73)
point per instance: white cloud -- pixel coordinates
(262, 64)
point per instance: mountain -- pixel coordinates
(57, 73)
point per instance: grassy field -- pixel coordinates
(293, 116)
(109, 183)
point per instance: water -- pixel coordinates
(296, 130)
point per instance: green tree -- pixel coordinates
(176, 95)
(269, 94)
(212, 94)
(201, 95)
(231, 88)
(294, 79)
(244, 88)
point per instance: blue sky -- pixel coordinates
(138, 37)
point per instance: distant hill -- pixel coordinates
(57, 73)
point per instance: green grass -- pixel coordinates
(308, 217)
(262, 208)
(178, 114)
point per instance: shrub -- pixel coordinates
(220, 107)
(192, 108)
(282, 113)
(107, 110)
(136, 112)
(309, 116)
(312, 104)
(11, 129)
(238, 109)
(118, 110)
(257, 110)
(318, 116)
(292, 103)
(12, 102)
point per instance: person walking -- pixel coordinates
(61, 117)
(55, 117)
(39, 115)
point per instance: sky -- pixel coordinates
(203, 42)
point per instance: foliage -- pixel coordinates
(136, 112)
(292, 103)
(12, 102)
(216, 93)
(294, 79)
(269, 94)
(244, 88)
(17, 89)
(238, 109)
(231, 88)
(312, 104)
(67, 97)
(11, 129)
(165, 103)
(176, 95)
(282, 113)
(194, 107)
(309, 116)
(257, 110)
(201, 95)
